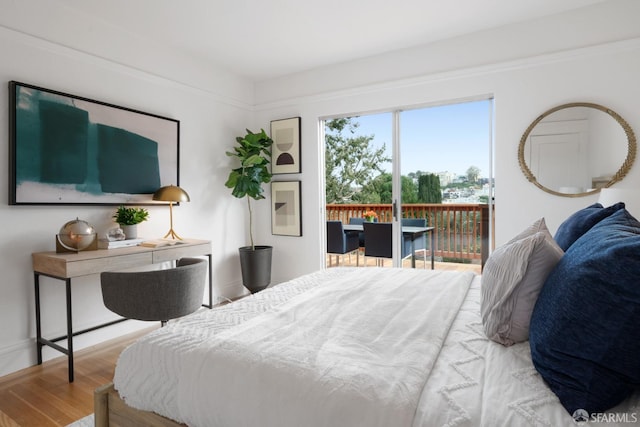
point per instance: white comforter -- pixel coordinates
(199, 368)
(356, 352)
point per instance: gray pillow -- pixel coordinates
(539, 225)
(511, 281)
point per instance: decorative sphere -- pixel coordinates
(76, 235)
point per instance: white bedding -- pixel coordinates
(419, 369)
(360, 350)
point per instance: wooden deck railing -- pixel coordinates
(461, 230)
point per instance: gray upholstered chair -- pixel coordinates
(158, 295)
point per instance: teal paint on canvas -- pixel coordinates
(127, 162)
(28, 133)
(61, 147)
(63, 143)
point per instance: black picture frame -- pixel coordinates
(66, 149)
(285, 151)
(286, 208)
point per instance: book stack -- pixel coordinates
(113, 244)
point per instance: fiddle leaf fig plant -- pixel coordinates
(254, 153)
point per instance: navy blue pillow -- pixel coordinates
(585, 327)
(580, 222)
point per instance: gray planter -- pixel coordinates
(256, 267)
(130, 231)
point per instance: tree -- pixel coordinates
(429, 189)
(350, 160)
(379, 190)
(416, 175)
(473, 173)
(409, 190)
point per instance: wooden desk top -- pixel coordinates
(67, 265)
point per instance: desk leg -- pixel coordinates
(36, 283)
(69, 330)
(39, 340)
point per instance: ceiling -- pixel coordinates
(263, 39)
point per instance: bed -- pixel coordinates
(339, 347)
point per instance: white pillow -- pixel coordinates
(511, 281)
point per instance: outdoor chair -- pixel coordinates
(340, 242)
(378, 238)
(419, 244)
(358, 221)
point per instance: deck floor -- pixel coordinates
(349, 260)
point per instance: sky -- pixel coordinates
(436, 139)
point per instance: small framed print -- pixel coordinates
(285, 151)
(286, 217)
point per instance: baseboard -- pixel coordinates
(17, 356)
(22, 354)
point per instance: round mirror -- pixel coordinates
(576, 149)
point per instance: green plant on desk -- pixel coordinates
(130, 216)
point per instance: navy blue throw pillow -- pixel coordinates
(581, 221)
(585, 327)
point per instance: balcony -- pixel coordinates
(461, 232)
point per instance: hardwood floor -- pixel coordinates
(41, 396)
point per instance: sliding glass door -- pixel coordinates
(446, 181)
(423, 172)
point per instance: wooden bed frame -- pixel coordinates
(110, 410)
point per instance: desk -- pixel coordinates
(66, 266)
(409, 231)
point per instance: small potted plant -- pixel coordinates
(254, 153)
(129, 218)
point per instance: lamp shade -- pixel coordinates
(171, 193)
(631, 199)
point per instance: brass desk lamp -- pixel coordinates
(171, 194)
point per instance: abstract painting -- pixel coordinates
(286, 218)
(65, 149)
(285, 152)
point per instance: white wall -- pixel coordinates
(210, 114)
(528, 68)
